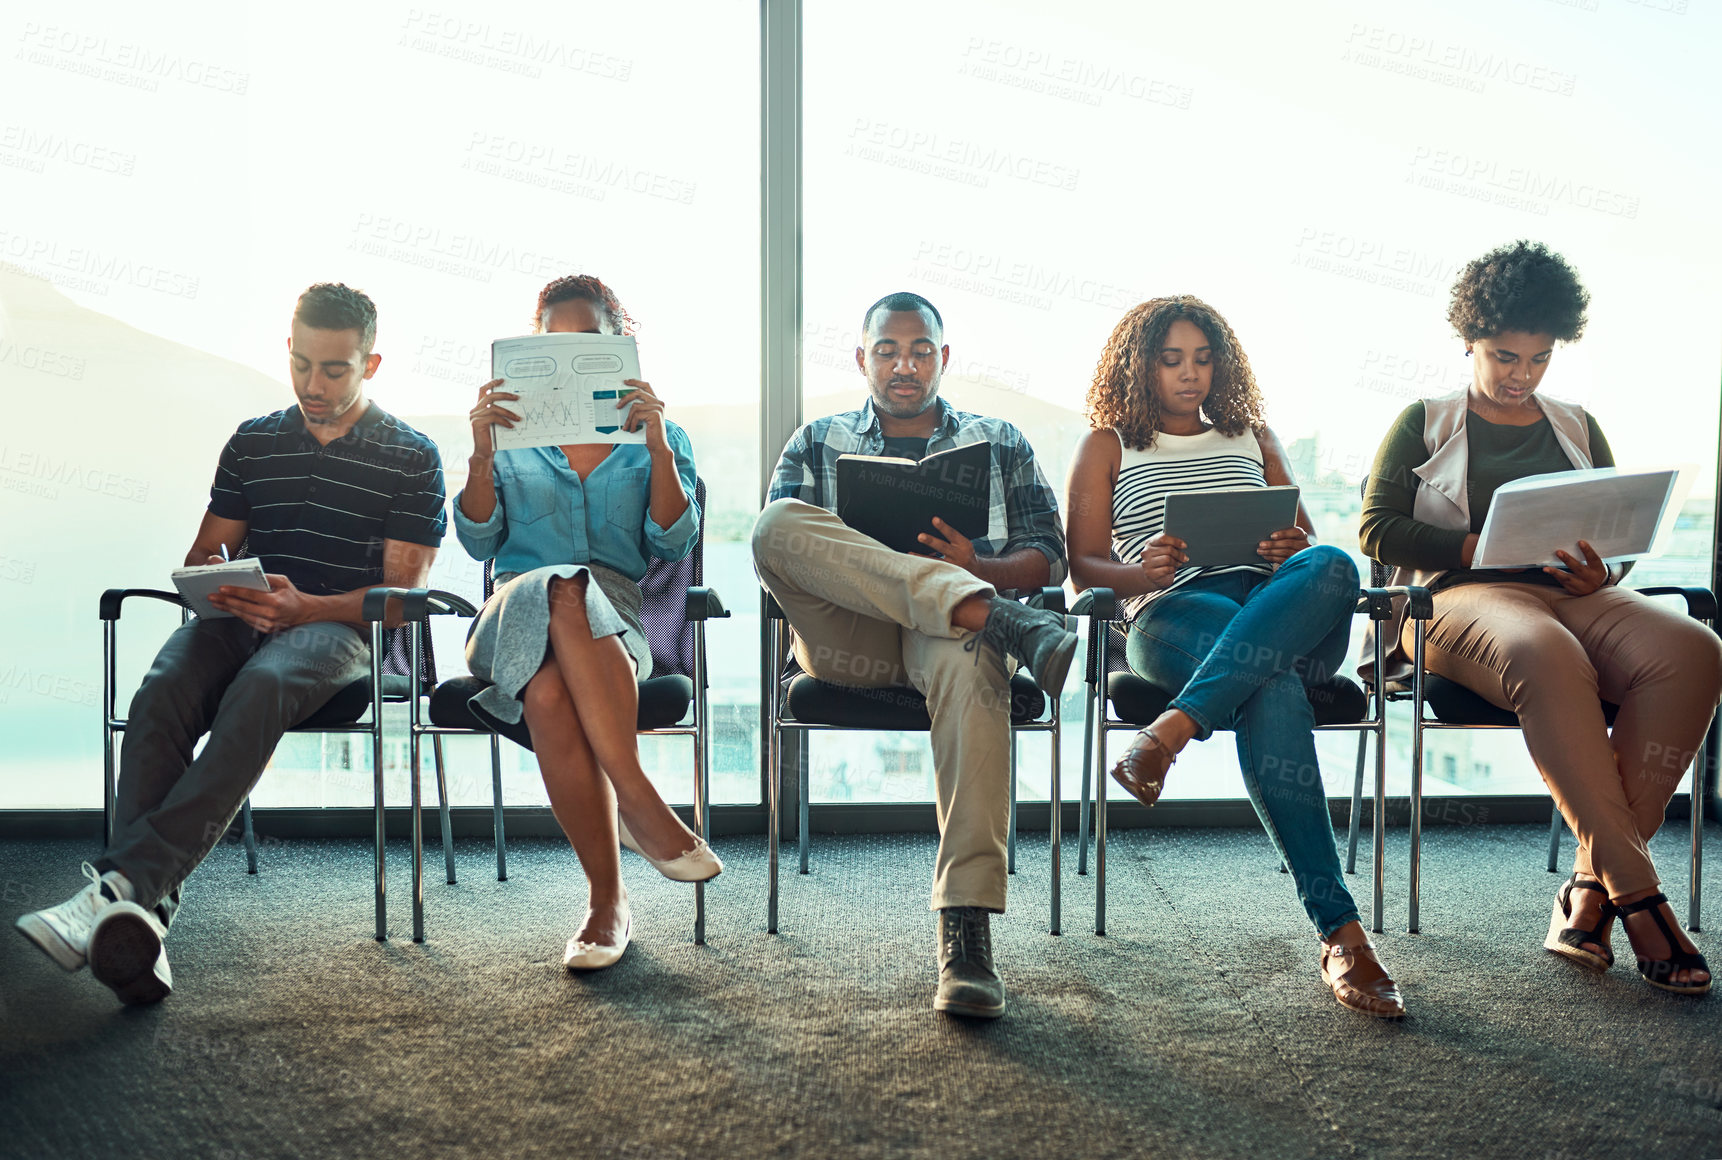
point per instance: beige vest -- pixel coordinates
(1443, 500)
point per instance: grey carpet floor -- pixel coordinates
(1197, 1027)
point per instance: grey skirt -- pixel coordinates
(508, 641)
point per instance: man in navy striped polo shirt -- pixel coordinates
(335, 496)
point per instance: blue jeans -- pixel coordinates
(1241, 647)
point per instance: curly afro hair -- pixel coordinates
(1525, 287)
(583, 288)
(1123, 395)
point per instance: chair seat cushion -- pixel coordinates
(1454, 704)
(1336, 701)
(894, 708)
(354, 701)
(664, 701)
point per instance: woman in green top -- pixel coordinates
(1549, 644)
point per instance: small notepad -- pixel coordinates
(196, 583)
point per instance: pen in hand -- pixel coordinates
(224, 556)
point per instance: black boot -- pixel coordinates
(1035, 637)
(968, 984)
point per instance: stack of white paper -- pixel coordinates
(1616, 514)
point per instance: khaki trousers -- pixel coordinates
(867, 616)
(1552, 658)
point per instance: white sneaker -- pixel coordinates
(126, 952)
(63, 931)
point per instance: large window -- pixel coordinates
(1318, 174)
(173, 178)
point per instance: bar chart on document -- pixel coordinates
(568, 386)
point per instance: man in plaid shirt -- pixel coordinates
(865, 615)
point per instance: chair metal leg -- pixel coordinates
(1415, 892)
(1057, 827)
(442, 807)
(413, 738)
(1412, 897)
(500, 838)
(1695, 897)
(702, 773)
(1555, 821)
(377, 774)
(1356, 803)
(803, 813)
(1100, 788)
(774, 797)
(1010, 833)
(773, 765)
(1084, 817)
(109, 734)
(1380, 836)
(250, 837)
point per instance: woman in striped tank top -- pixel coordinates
(1175, 408)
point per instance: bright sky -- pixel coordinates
(1316, 171)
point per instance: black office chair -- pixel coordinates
(1339, 704)
(802, 703)
(356, 709)
(1440, 703)
(674, 609)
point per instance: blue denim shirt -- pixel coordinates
(546, 515)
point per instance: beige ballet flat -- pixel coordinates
(696, 865)
(585, 956)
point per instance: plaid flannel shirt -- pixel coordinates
(1024, 509)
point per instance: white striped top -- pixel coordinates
(1206, 462)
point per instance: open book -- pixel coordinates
(894, 500)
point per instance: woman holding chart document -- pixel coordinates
(571, 529)
(1175, 409)
(1549, 644)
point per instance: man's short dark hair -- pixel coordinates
(337, 306)
(902, 302)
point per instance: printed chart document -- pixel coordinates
(894, 499)
(197, 582)
(1225, 526)
(1614, 512)
(568, 386)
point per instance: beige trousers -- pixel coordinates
(865, 615)
(1552, 658)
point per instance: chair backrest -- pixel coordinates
(664, 600)
(1378, 572)
(1117, 632)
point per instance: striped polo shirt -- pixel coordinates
(318, 514)
(1206, 462)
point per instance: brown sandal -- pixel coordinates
(1142, 769)
(1360, 982)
